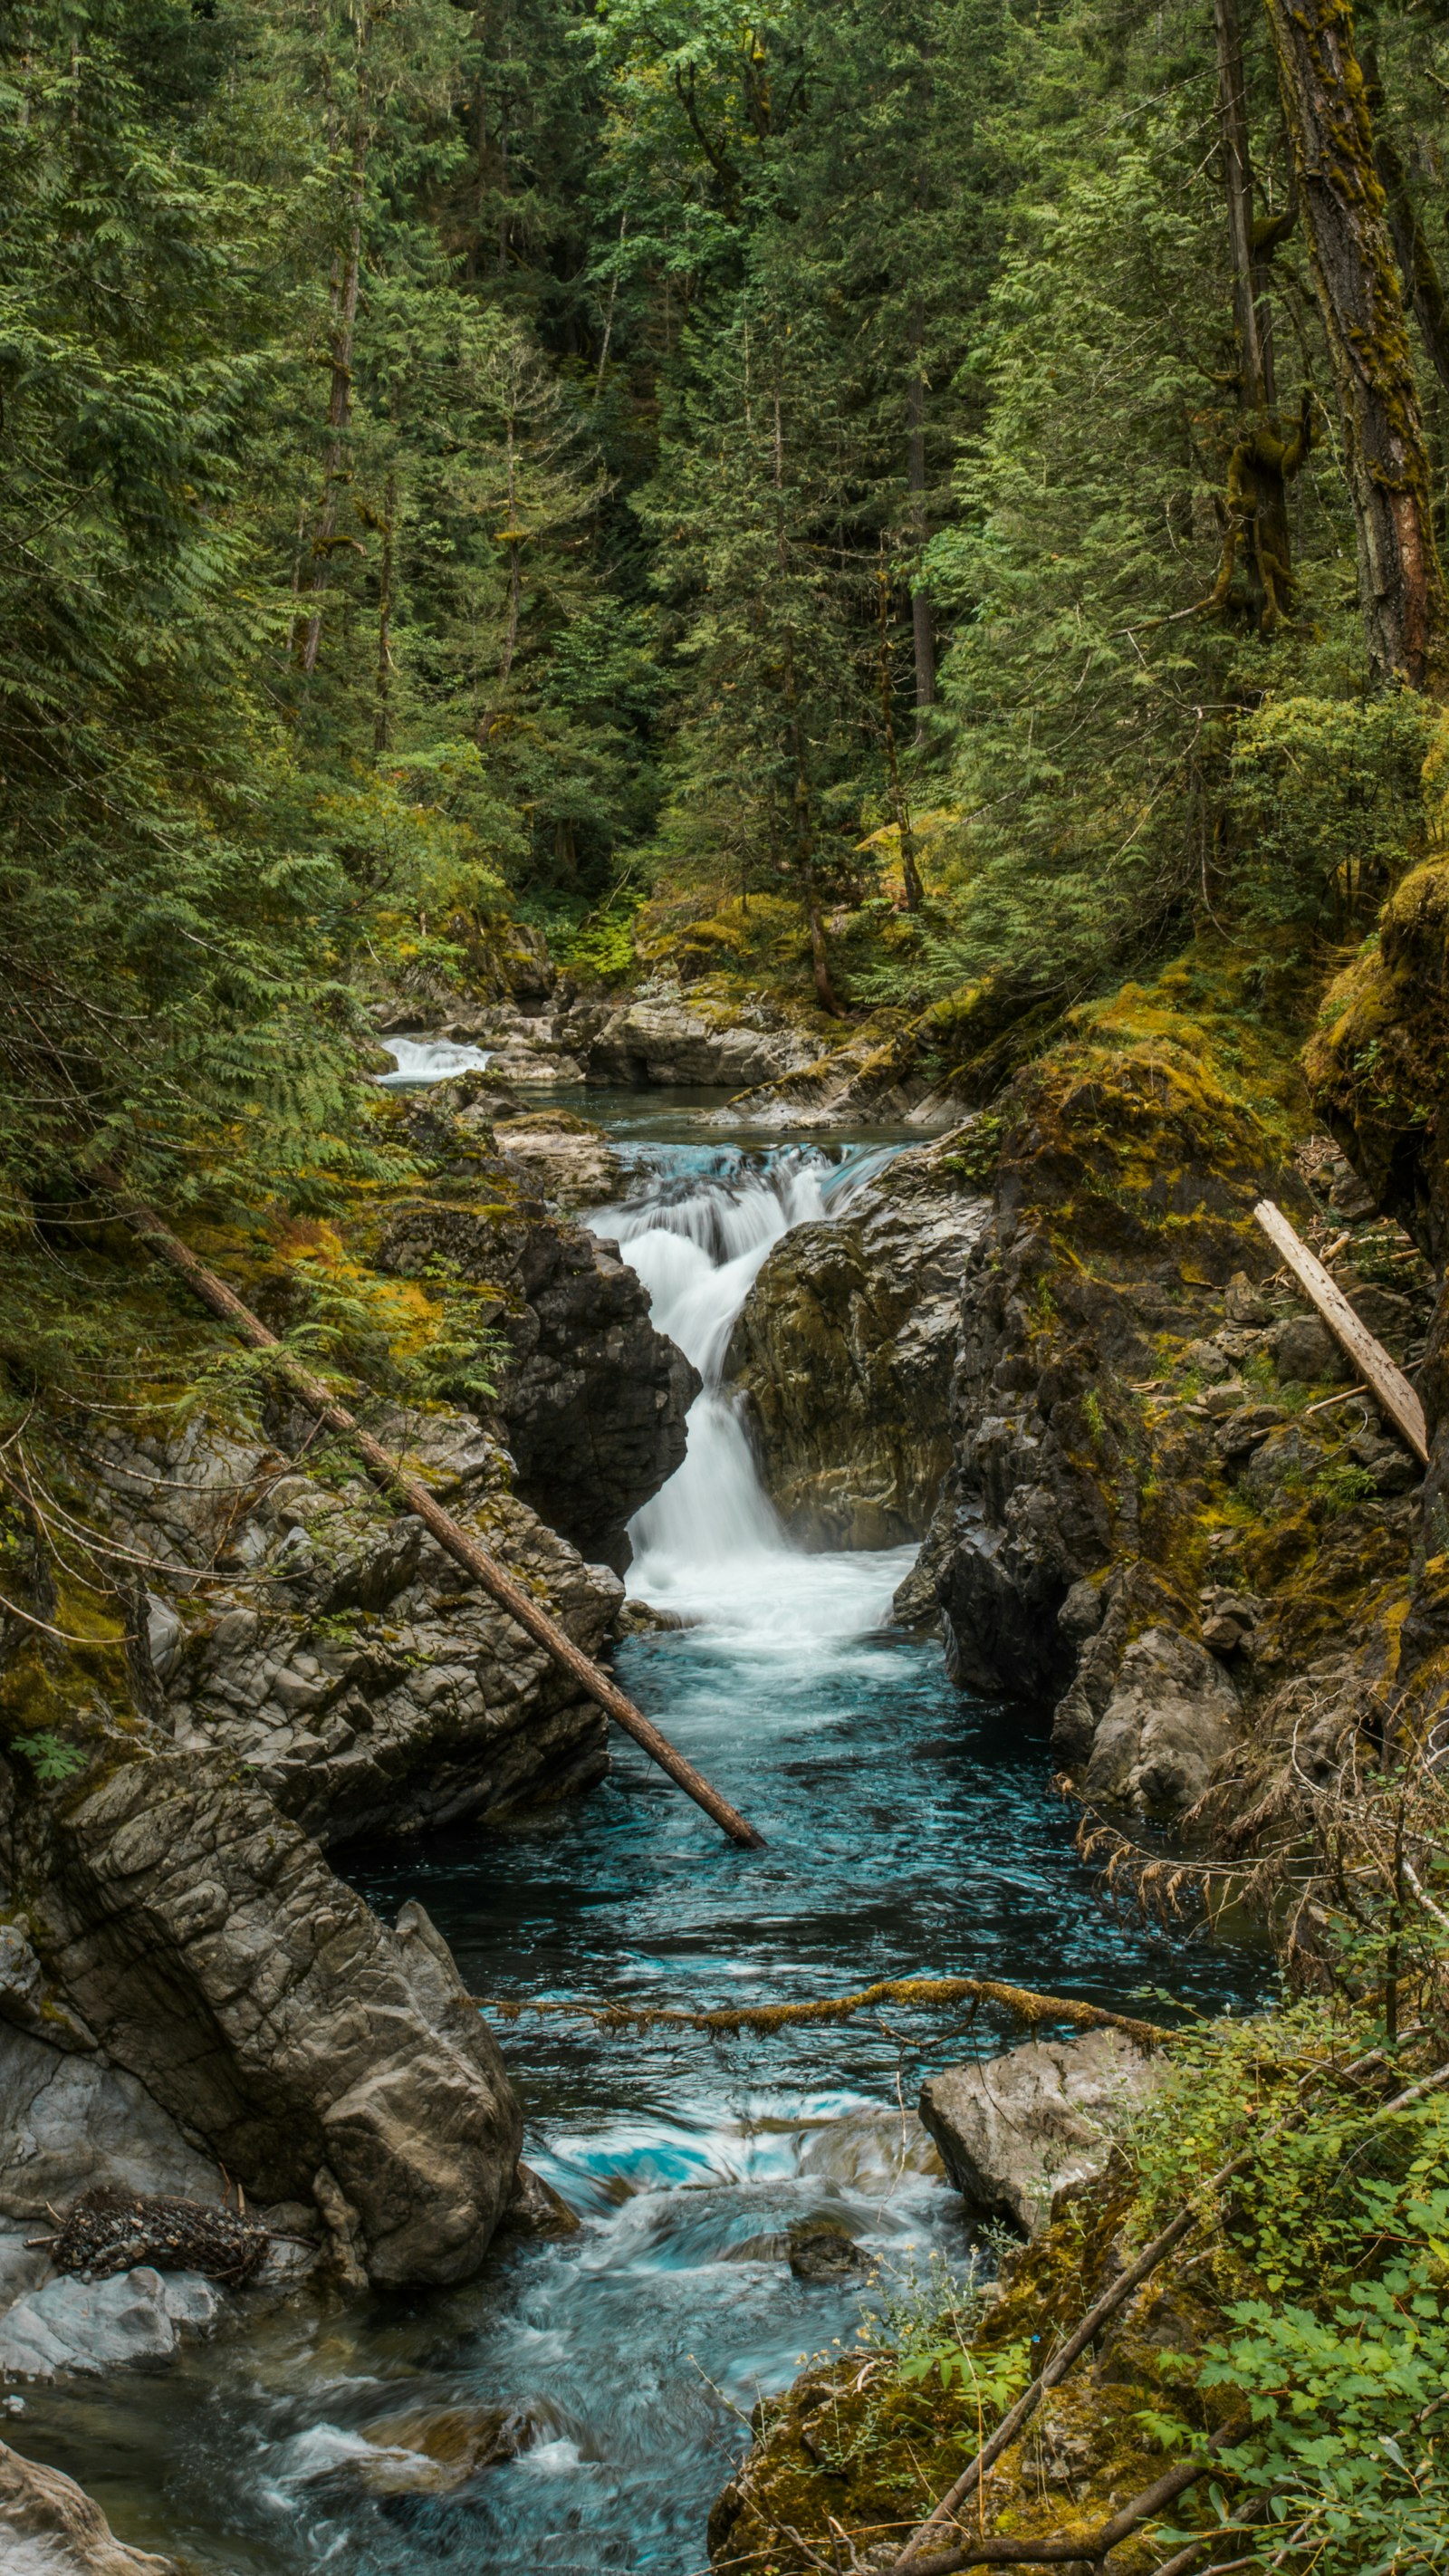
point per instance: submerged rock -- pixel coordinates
(433, 2451)
(1015, 2130)
(50, 2527)
(822, 2248)
(536, 2209)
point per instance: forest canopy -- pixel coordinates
(881, 496)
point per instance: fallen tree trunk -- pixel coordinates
(398, 1484)
(1021, 2001)
(1369, 1357)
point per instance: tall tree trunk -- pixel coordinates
(900, 808)
(382, 704)
(802, 801)
(923, 624)
(325, 539)
(1254, 356)
(1401, 580)
(1416, 260)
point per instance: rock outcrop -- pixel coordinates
(844, 1352)
(592, 1400)
(50, 2527)
(1145, 1427)
(261, 2004)
(364, 1684)
(1015, 2130)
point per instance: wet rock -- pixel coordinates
(822, 2249)
(261, 2003)
(50, 2527)
(592, 1400)
(536, 2209)
(844, 1349)
(133, 2320)
(571, 1161)
(434, 2451)
(1016, 2130)
(1172, 1714)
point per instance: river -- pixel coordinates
(908, 1830)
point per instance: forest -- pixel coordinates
(887, 499)
(901, 543)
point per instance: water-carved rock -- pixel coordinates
(844, 1350)
(50, 2527)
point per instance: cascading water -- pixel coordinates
(909, 1830)
(710, 1545)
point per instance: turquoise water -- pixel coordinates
(908, 1830)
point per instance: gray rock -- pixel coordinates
(823, 2249)
(593, 1400)
(843, 1352)
(69, 2123)
(1305, 1350)
(573, 1162)
(667, 1040)
(133, 2319)
(50, 2527)
(1015, 2130)
(259, 2000)
(1172, 1714)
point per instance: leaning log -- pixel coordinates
(399, 1485)
(1367, 1356)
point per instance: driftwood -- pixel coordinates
(1022, 2002)
(396, 1482)
(110, 2231)
(1367, 1356)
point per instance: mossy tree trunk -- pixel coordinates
(1330, 130)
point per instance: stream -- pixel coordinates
(909, 1830)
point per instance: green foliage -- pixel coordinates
(50, 1757)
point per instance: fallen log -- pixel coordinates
(1023, 2002)
(1367, 1356)
(398, 1484)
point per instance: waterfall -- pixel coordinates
(419, 1058)
(710, 1544)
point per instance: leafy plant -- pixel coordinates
(50, 1757)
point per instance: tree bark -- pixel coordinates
(1330, 131)
(923, 624)
(1416, 260)
(900, 808)
(1253, 356)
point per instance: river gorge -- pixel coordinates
(910, 1827)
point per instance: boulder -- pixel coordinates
(1172, 1714)
(1015, 2130)
(822, 2249)
(134, 2319)
(661, 1039)
(844, 1349)
(592, 1400)
(567, 1158)
(260, 2001)
(50, 2527)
